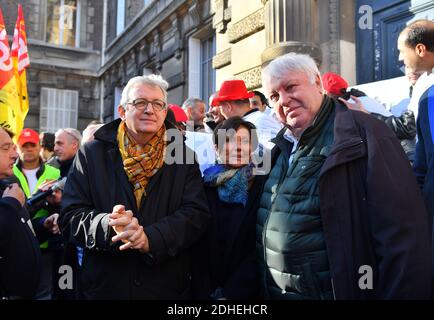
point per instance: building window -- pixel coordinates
(201, 75)
(207, 73)
(120, 17)
(59, 109)
(117, 101)
(63, 21)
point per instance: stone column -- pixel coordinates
(291, 26)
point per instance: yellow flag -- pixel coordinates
(20, 60)
(9, 99)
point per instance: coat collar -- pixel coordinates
(348, 143)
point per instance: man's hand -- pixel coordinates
(56, 197)
(128, 230)
(14, 191)
(51, 224)
(357, 105)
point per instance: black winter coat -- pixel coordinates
(373, 213)
(174, 214)
(226, 256)
(19, 251)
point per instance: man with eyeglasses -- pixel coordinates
(135, 213)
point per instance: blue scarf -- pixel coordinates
(232, 184)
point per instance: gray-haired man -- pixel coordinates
(135, 214)
(341, 216)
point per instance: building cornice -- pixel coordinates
(247, 26)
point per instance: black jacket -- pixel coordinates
(174, 214)
(225, 262)
(19, 251)
(372, 213)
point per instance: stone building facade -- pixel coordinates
(252, 33)
(83, 52)
(173, 38)
(65, 52)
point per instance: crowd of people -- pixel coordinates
(314, 191)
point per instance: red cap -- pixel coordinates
(334, 83)
(180, 115)
(231, 90)
(28, 135)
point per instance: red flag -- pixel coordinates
(9, 99)
(20, 59)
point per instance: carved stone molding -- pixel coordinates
(334, 35)
(193, 11)
(222, 16)
(249, 25)
(251, 77)
(177, 35)
(222, 59)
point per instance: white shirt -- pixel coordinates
(422, 84)
(373, 106)
(202, 144)
(266, 127)
(32, 180)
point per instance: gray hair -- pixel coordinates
(152, 80)
(71, 133)
(88, 133)
(291, 62)
(191, 102)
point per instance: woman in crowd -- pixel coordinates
(225, 265)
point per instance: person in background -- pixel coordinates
(404, 126)
(213, 116)
(225, 262)
(33, 175)
(233, 100)
(20, 265)
(179, 118)
(416, 49)
(46, 140)
(195, 110)
(66, 145)
(88, 132)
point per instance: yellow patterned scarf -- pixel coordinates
(141, 162)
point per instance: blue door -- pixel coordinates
(377, 55)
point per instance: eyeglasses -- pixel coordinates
(140, 104)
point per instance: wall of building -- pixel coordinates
(154, 40)
(252, 33)
(61, 67)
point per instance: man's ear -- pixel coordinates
(318, 83)
(420, 50)
(121, 111)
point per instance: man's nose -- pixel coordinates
(284, 99)
(149, 108)
(14, 153)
